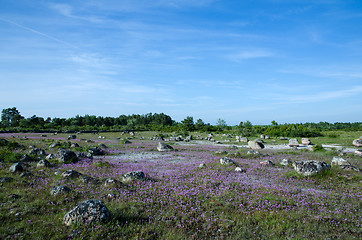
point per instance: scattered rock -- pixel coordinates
(66, 156)
(87, 212)
(102, 145)
(59, 190)
(202, 165)
(255, 145)
(310, 167)
(43, 163)
(37, 151)
(253, 152)
(26, 158)
(267, 163)
(72, 137)
(54, 145)
(88, 179)
(293, 142)
(84, 155)
(6, 179)
(239, 169)
(306, 141)
(96, 151)
(358, 152)
(17, 167)
(349, 168)
(163, 147)
(136, 175)
(339, 161)
(111, 182)
(283, 138)
(71, 174)
(26, 174)
(74, 145)
(226, 161)
(50, 156)
(285, 162)
(357, 142)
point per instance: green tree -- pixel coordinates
(10, 117)
(221, 124)
(188, 124)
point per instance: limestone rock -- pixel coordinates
(310, 167)
(226, 161)
(43, 163)
(239, 169)
(111, 182)
(59, 190)
(306, 141)
(74, 145)
(267, 163)
(136, 175)
(163, 147)
(96, 151)
(255, 145)
(37, 151)
(71, 174)
(338, 161)
(54, 145)
(66, 156)
(87, 212)
(357, 142)
(285, 162)
(293, 142)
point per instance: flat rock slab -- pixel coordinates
(310, 167)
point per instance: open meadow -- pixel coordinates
(180, 193)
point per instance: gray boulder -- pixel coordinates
(255, 145)
(37, 151)
(43, 163)
(338, 161)
(306, 141)
(66, 156)
(310, 167)
(239, 169)
(54, 145)
(202, 165)
(226, 161)
(74, 145)
(59, 190)
(267, 163)
(87, 212)
(71, 174)
(293, 142)
(136, 175)
(285, 162)
(357, 142)
(163, 147)
(96, 151)
(18, 167)
(50, 156)
(72, 137)
(111, 182)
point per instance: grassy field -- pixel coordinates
(179, 200)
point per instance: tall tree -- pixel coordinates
(11, 117)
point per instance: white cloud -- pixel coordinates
(249, 54)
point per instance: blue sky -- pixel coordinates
(285, 60)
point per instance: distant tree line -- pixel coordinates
(13, 121)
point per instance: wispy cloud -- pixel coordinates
(249, 54)
(39, 33)
(68, 11)
(322, 96)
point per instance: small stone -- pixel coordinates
(71, 174)
(239, 169)
(285, 162)
(202, 165)
(267, 163)
(59, 190)
(255, 145)
(226, 161)
(43, 163)
(136, 175)
(163, 147)
(339, 161)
